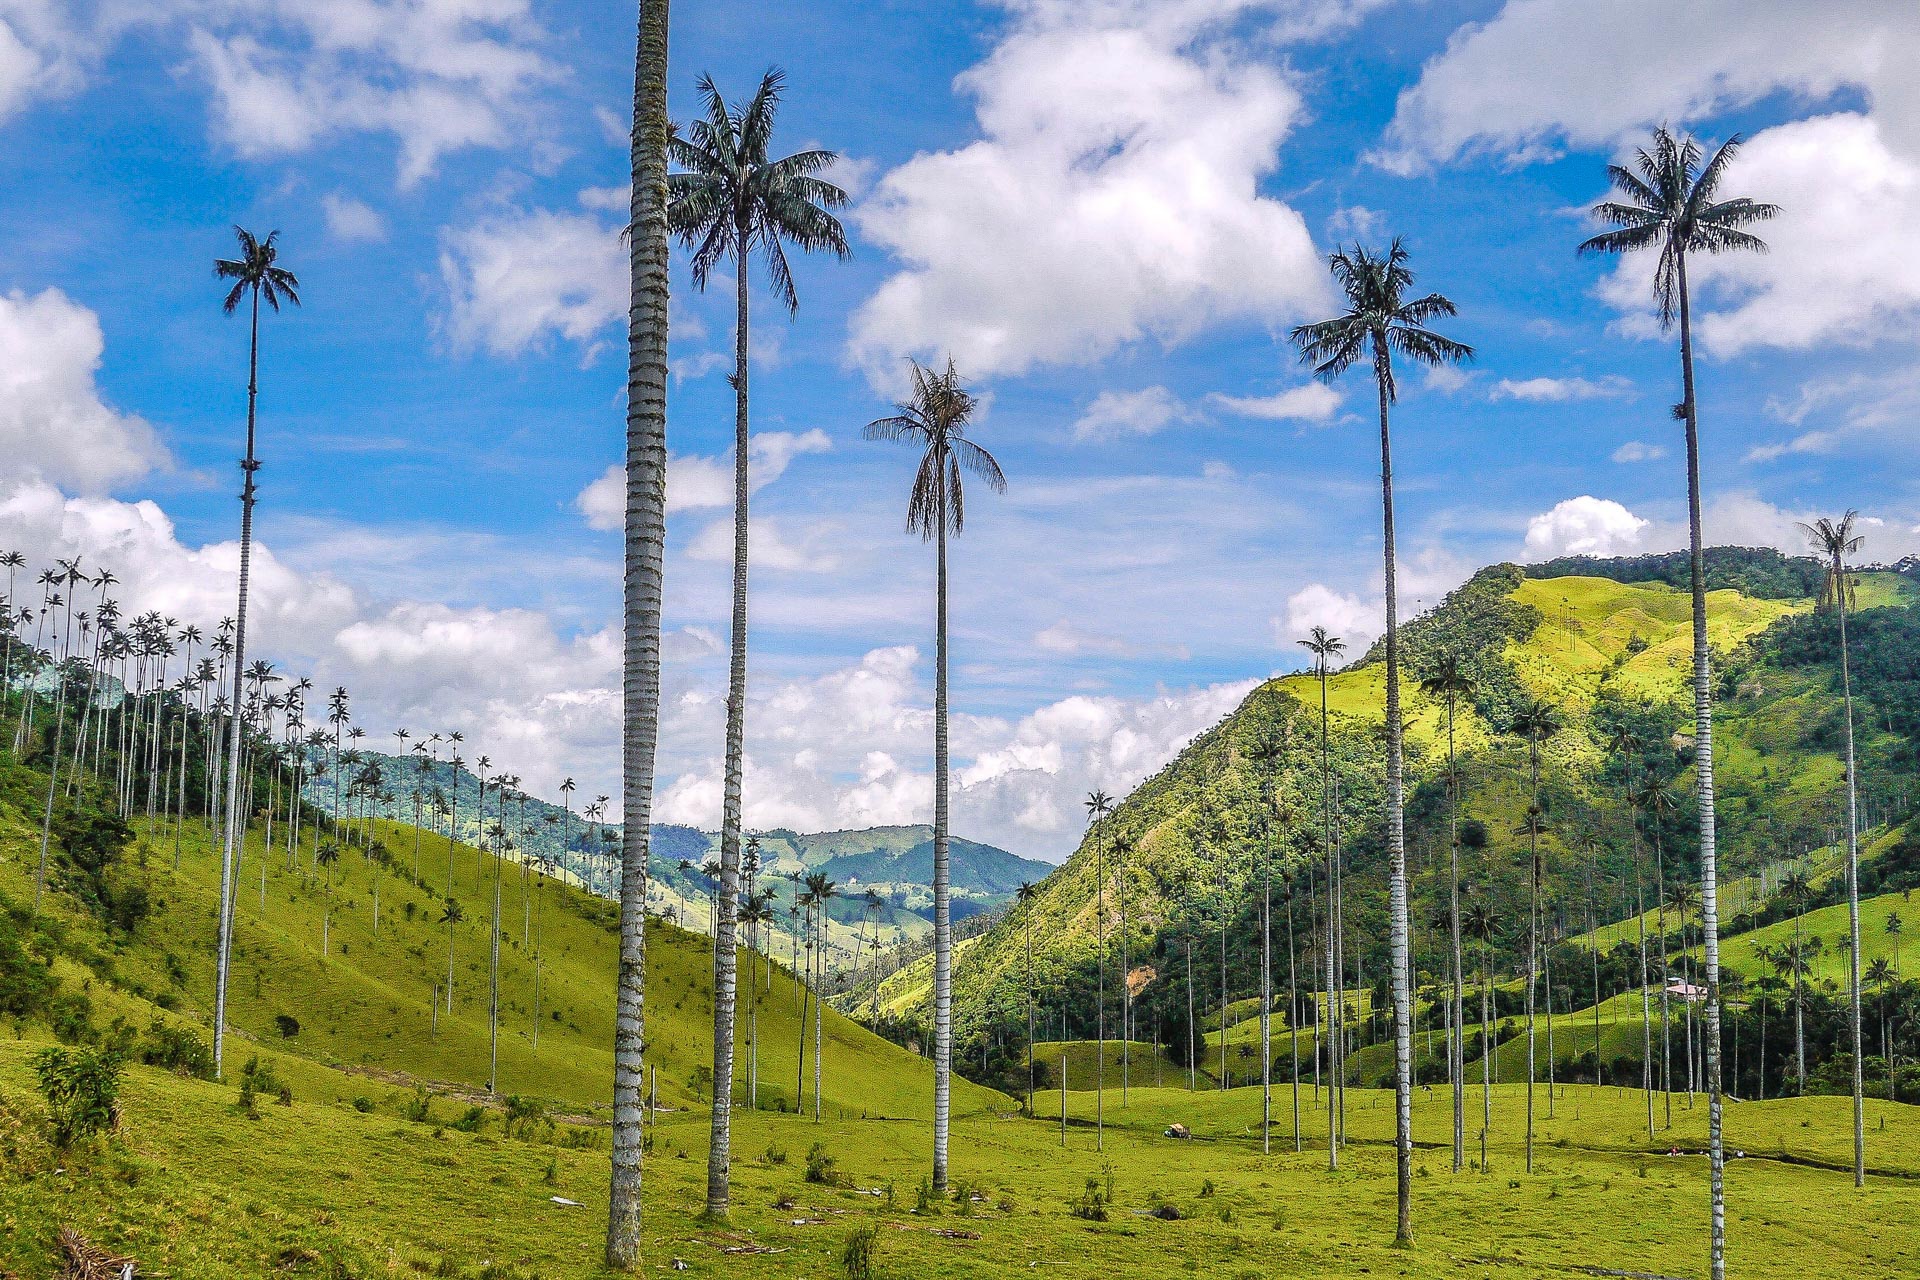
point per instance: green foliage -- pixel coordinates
(178, 1049)
(821, 1166)
(1092, 1204)
(1760, 572)
(82, 1089)
(27, 984)
(1473, 623)
(858, 1253)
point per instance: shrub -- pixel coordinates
(774, 1154)
(821, 1166)
(176, 1049)
(856, 1256)
(71, 1017)
(418, 1108)
(82, 1089)
(287, 1025)
(1092, 1204)
(924, 1201)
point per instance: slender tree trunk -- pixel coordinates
(1456, 1052)
(727, 892)
(1853, 889)
(645, 562)
(236, 821)
(1398, 926)
(1703, 768)
(1100, 992)
(942, 921)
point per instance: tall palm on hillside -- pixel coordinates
(1833, 541)
(256, 275)
(1449, 682)
(935, 420)
(1797, 892)
(1382, 320)
(1625, 744)
(645, 564)
(1026, 896)
(1660, 806)
(731, 202)
(823, 891)
(1672, 205)
(1099, 806)
(1325, 648)
(1535, 720)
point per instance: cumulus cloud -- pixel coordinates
(774, 545)
(1359, 622)
(1117, 415)
(352, 220)
(514, 279)
(1554, 390)
(695, 481)
(1112, 195)
(43, 53)
(1806, 442)
(1584, 526)
(1308, 402)
(1639, 451)
(1544, 75)
(54, 426)
(436, 77)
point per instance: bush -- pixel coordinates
(259, 1077)
(418, 1108)
(774, 1154)
(821, 1166)
(856, 1256)
(72, 1018)
(287, 1025)
(82, 1089)
(1092, 1204)
(177, 1049)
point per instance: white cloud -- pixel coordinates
(1553, 390)
(1358, 622)
(1445, 378)
(1584, 526)
(1806, 442)
(352, 220)
(436, 75)
(695, 481)
(1356, 222)
(1547, 74)
(1308, 402)
(1639, 451)
(1065, 638)
(1113, 196)
(772, 545)
(514, 279)
(53, 424)
(42, 53)
(1117, 415)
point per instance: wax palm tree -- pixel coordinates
(1797, 891)
(731, 202)
(451, 915)
(1879, 975)
(256, 275)
(1449, 681)
(1532, 826)
(1100, 805)
(1672, 205)
(1325, 648)
(935, 420)
(1026, 896)
(823, 891)
(645, 563)
(1479, 920)
(1625, 744)
(1833, 541)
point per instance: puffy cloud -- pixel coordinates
(352, 220)
(1359, 622)
(1063, 637)
(437, 75)
(1308, 402)
(53, 424)
(1116, 415)
(1547, 74)
(1553, 390)
(1584, 526)
(773, 546)
(1806, 442)
(1639, 451)
(695, 481)
(1111, 197)
(42, 53)
(516, 278)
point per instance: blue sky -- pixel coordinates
(1108, 210)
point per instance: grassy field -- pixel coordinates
(327, 1189)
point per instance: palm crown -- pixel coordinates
(1671, 204)
(936, 418)
(1379, 321)
(254, 269)
(732, 200)
(1834, 541)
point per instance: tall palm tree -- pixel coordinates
(1536, 720)
(1660, 806)
(1325, 648)
(731, 202)
(1478, 919)
(822, 891)
(1381, 320)
(1099, 805)
(255, 275)
(1672, 205)
(1625, 744)
(1798, 892)
(1449, 682)
(1026, 896)
(645, 565)
(1833, 541)
(935, 420)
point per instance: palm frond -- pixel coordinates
(981, 463)
(1625, 240)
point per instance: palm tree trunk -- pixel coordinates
(727, 892)
(1293, 1016)
(1100, 993)
(1646, 1011)
(235, 819)
(1457, 1051)
(1703, 769)
(645, 556)
(942, 921)
(1853, 891)
(1398, 928)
